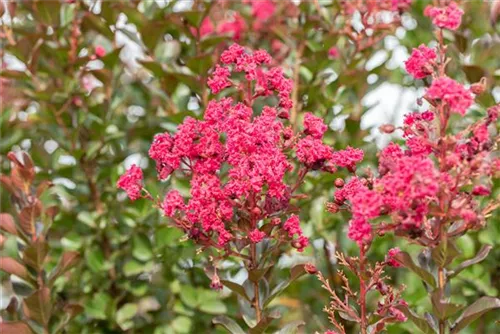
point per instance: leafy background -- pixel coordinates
(137, 275)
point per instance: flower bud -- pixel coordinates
(310, 268)
(216, 284)
(332, 207)
(387, 128)
(339, 183)
(256, 211)
(479, 87)
(284, 114)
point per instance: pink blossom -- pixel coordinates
(314, 126)
(232, 53)
(173, 201)
(468, 215)
(262, 57)
(360, 231)
(481, 190)
(235, 26)
(452, 93)
(493, 113)
(481, 134)
(390, 257)
(348, 190)
(449, 17)
(333, 53)
(219, 79)
(300, 243)
(397, 314)
(256, 236)
(347, 158)
(161, 151)
(131, 182)
(366, 203)
(263, 9)
(312, 152)
(292, 226)
(419, 65)
(100, 51)
(206, 28)
(419, 146)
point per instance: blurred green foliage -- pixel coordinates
(137, 275)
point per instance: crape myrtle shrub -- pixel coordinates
(87, 85)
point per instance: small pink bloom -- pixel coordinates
(360, 231)
(347, 158)
(206, 28)
(219, 79)
(131, 182)
(256, 236)
(452, 93)
(419, 65)
(100, 51)
(390, 257)
(333, 53)
(481, 190)
(173, 202)
(262, 10)
(216, 284)
(397, 314)
(235, 26)
(314, 125)
(449, 17)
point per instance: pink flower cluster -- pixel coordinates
(262, 12)
(419, 65)
(233, 26)
(406, 189)
(447, 90)
(131, 182)
(237, 162)
(449, 17)
(267, 81)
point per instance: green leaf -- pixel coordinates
(444, 253)
(443, 309)
(421, 323)
(68, 260)
(38, 306)
(405, 259)
(189, 296)
(94, 258)
(295, 273)
(17, 327)
(256, 274)
(97, 306)
(34, 255)
(11, 266)
(7, 223)
(474, 73)
(474, 311)
(48, 12)
(264, 323)
(229, 324)
(291, 328)
(213, 306)
(182, 324)
(133, 267)
(480, 256)
(235, 287)
(126, 312)
(141, 247)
